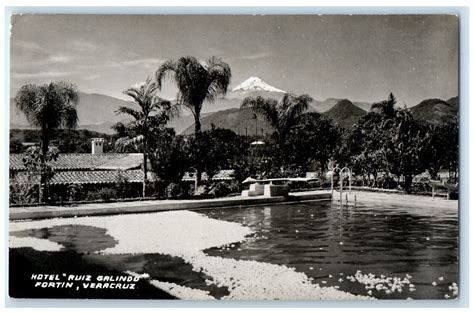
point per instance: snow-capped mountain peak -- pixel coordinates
(255, 84)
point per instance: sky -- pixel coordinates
(358, 57)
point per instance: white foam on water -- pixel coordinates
(173, 233)
(252, 280)
(182, 292)
(34, 243)
(186, 234)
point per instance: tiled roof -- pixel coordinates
(93, 177)
(86, 161)
(223, 175)
(129, 161)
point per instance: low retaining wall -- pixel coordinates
(42, 212)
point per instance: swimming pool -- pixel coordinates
(332, 244)
(381, 251)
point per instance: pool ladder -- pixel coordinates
(347, 199)
(341, 172)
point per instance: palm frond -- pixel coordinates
(70, 117)
(293, 107)
(165, 70)
(127, 110)
(126, 143)
(68, 92)
(173, 110)
(264, 107)
(26, 101)
(219, 78)
(49, 106)
(121, 129)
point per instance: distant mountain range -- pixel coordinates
(342, 111)
(97, 112)
(436, 111)
(325, 105)
(345, 113)
(241, 121)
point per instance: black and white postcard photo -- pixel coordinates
(234, 157)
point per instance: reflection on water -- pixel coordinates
(329, 243)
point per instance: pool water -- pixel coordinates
(383, 251)
(332, 244)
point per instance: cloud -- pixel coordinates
(61, 58)
(92, 77)
(148, 63)
(28, 54)
(255, 56)
(50, 74)
(26, 46)
(83, 46)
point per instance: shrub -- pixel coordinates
(75, 192)
(389, 183)
(55, 198)
(174, 190)
(202, 190)
(123, 187)
(298, 186)
(23, 190)
(421, 187)
(105, 194)
(220, 189)
(155, 188)
(234, 186)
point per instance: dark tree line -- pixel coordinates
(390, 140)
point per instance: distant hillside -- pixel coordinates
(325, 105)
(105, 127)
(74, 141)
(234, 119)
(363, 105)
(345, 113)
(436, 111)
(229, 102)
(454, 101)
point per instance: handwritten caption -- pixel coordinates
(72, 281)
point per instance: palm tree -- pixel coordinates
(196, 83)
(48, 107)
(153, 115)
(282, 115)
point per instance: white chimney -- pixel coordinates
(97, 145)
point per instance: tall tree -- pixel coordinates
(283, 115)
(389, 140)
(406, 147)
(152, 116)
(196, 83)
(313, 142)
(48, 107)
(218, 148)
